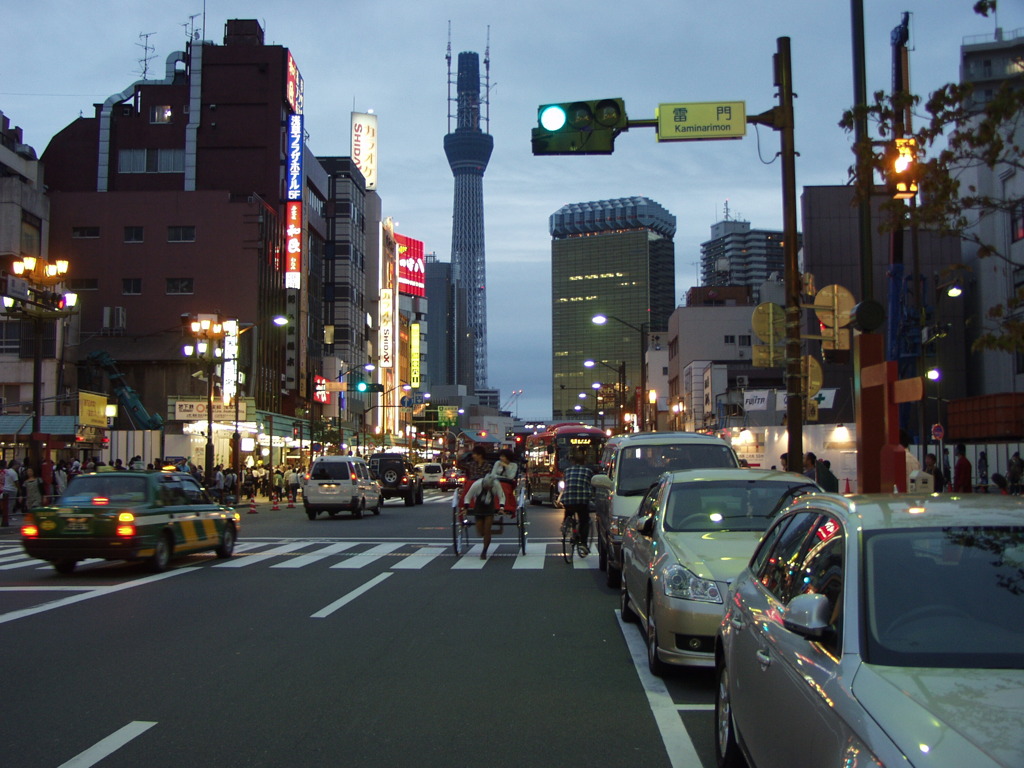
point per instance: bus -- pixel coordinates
(548, 453)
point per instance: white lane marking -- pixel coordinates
(21, 564)
(587, 563)
(533, 559)
(680, 749)
(470, 561)
(241, 562)
(360, 559)
(14, 615)
(109, 745)
(48, 589)
(312, 557)
(12, 554)
(418, 559)
(327, 610)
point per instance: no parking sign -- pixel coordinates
(938, 432)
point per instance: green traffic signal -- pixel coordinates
(579, 127)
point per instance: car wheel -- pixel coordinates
(613, 576)
(656, 665)
(410, 498)
(419, 496)
(227, 543)
(311, 513)
(161, 554)
(379, 507)
(625, 609)
(64, 566)
(360, 507)
(390, 476)
(602, 556)
(727, 751)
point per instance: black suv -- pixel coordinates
(397, 477)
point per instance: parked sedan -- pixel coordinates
(878, 631)
(149, 516)
(690, 537)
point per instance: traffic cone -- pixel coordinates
(276, 506)
(847, 490)
(291, 503)
(252, 506)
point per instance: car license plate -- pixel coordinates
(76, 524)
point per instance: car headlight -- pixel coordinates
(681, 583)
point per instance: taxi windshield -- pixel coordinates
(119, 489)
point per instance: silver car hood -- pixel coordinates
(969, 718)
(715, 555)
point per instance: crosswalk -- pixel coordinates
(294, 554)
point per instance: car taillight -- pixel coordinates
(125, 524)
(30, 530)
(100, 501)
(352, 474)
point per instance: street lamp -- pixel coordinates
(642, 330)
(208, 332)
(620, 393)
(35, 292)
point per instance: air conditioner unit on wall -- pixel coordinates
(742, 381)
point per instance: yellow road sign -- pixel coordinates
(699, 120)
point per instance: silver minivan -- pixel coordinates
(630, 464)
(341, 484)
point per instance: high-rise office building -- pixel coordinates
(739, 255)
(614, 258)
(468, 148)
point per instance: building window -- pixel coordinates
(160, 114)
(179, 285)
(10, 337)
(133, 234)
(82, 233)
(730, 339)
(132, 286)
(83, 284)
(744, 341)
(1017, 223)
(151, 161)
(181, 234)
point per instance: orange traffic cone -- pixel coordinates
(252, 506)
(847, 490)
(291, 503)
(276, 506)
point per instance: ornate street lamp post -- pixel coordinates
(207, 351)
(35, 291)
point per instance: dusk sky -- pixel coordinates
(60, 58)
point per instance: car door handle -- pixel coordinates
(737, 624)
(763, 658)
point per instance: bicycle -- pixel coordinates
(460, 531)
(572, 543)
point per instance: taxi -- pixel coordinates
(139, 516)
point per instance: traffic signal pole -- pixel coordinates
(780, 119)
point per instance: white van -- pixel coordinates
(630, 464)
(341, 483)
(431, 473)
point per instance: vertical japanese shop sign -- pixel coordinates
(387, 329)
(414, 355)
(412, 269)
(364, 146)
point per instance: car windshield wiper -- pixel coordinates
(792, 493)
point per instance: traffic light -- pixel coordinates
(374, 387)
(579, 127)
(356, 383)
(902, 169)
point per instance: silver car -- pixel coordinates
(692, 534)
(878, 631)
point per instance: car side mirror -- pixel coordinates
(601, 481)
(808, 615)
(645, 526)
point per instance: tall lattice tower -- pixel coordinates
(468, 148)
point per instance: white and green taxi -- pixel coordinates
(144, 516)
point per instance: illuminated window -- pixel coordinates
(160, 114)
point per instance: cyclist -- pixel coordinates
(577, 493)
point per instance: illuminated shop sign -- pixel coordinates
(294, 87)
(320, 392)
(364, 146)
(414, 355)
(387, 329)
(294, 191)
(411, 266)
(293, 245)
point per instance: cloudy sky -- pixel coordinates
(59, 58)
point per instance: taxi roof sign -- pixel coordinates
(702, 120)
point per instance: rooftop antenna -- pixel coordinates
(487, 82)
(190, 27)
(448, 58)
(727, 218)
(148, 53)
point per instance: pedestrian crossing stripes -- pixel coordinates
(294, 554)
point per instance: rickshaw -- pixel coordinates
(513, 512)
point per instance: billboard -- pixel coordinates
(364, 146)
(411, 266)
(294, 188)
(386, 341)
(414, 355)
(293, 245)
(294, 87)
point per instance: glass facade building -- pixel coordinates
(614, 258)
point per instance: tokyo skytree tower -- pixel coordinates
(468, 149)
